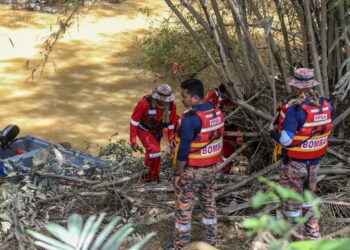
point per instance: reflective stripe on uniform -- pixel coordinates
(211, 115)
(318, 110)
(206, 221)
(293, 214)
(152, 112)
(212, 128)
(283, 115)
(313, 124)
(201, 144)
(154, 155)
(171, 127)
(307, 205)
(194, 156)
(183, 228)
(301, 138)
(135, 123)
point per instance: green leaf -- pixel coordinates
(105, 233)
(259, 199)
(118, 238)
(86, 229)
(48, 240)
(141, 243)
(250, 223)
(93, 231)
(61, 233)
(75, 224)
(338, 244)
(47, 246)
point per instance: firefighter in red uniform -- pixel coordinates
(220, 98)
(152, 114)
(304, 127)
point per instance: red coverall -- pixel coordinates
(150, 138)
(226, 106)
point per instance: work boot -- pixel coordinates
(168, 246)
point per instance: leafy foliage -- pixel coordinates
(279, 230)
(78, 236)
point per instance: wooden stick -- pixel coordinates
(67, 178)
(342, 231)
(341, 117)
(240, 134)
(247, 101)
(338, 141)
(230, 158)
(268, 169)
(119, 181)
(338, 156)
(66, 195)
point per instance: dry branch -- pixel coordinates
(269, 169)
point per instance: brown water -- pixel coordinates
(89, 88)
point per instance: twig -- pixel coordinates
(119, 181)
(338, 156)
(67, 178)
(262, 172)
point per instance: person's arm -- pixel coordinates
(290, 127)
(190, 126)
(173, 121)
(135, 120)
(294, 119)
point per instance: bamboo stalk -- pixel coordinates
(223, 57)
(200, 44)
(228, 44)
(324, 53)
(314, 52)
(252, 45)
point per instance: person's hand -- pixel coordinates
(172, 146)
(176, 181)
(272, 126)
(135, 147)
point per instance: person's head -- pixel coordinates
(163, 94)
(303, 81)
(192, 92)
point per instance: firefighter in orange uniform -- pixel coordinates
(304, 126)
(220, 98)
(199, 139)
(152, 114)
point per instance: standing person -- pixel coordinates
(199, 135)
(152, 114)
(220, 98)
(304, 137)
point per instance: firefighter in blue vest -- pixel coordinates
(154, 113)
(199, 140)
(303, 133)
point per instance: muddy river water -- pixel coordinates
(88, 89)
